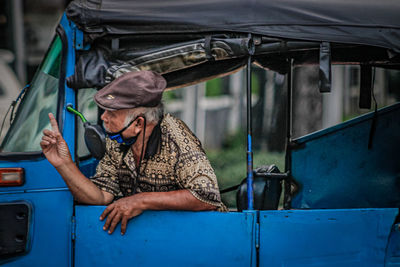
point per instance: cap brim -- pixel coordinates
(103, 107)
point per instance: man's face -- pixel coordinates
(114, 121)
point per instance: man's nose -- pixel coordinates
(103, 116)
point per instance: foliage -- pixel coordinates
(170, 95)
(214, 87)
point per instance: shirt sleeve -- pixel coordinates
(194, 171)
(196, 175)
(106, 177)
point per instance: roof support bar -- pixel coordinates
(250, 192)
(288, 155)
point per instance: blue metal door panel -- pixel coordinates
(393, 248)
(356, 237)
(166, 238)
(336, 170)
(39, 174)
(49, 235)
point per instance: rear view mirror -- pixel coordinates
(95, 138)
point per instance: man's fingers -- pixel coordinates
(124, 222)
(53, 122)
(109, 219)
(114, 222)
(49, 133)
(106, 211)
(44, 144)
(48, 139)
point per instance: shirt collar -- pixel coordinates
(153, 144)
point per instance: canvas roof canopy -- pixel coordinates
(191, 41)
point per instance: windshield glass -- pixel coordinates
(41, 98)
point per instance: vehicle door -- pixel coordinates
(35, 204)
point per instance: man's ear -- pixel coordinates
(140, 122)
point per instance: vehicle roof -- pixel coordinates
(367, 22)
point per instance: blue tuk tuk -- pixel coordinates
(345, 211)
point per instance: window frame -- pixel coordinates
(60, 100)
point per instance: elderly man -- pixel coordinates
(152, 161)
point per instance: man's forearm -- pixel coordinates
(173, 200)
(129, 207)
(82, 188)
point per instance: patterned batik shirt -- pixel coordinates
(174, 160)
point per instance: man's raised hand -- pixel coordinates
(54, 146)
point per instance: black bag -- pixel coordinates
(267, 190)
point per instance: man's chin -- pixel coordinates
(106, 128)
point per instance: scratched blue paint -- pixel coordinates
(352, 237)
(166, 239)
(335, 168)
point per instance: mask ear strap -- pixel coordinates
(141, 153)
(123, 129)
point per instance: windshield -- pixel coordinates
(41, 98)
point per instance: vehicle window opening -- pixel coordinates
(25, 132)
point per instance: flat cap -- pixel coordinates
(132, 90)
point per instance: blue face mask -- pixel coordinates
(117, 136)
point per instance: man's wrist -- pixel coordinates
(141, 201)
(67, 165)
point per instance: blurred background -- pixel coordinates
(214, 110)
(26, 30)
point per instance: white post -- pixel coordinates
(189, 107)
(193, 113)
(201, 112)
(236, 84)
(269, 98)
(332, 103)
(18, 36)
(379, 88)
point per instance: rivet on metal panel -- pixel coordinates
(78, 39)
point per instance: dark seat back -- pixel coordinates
(267, 191)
